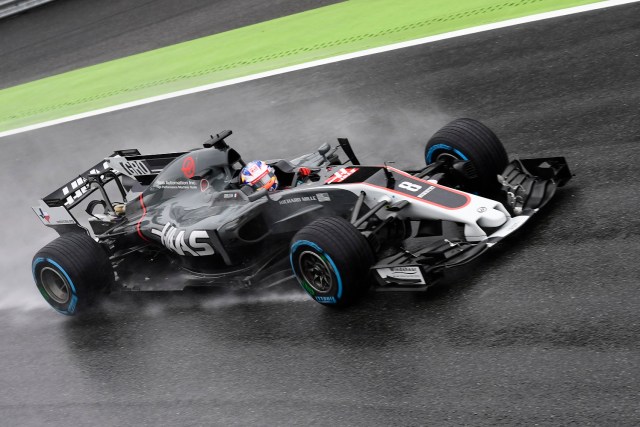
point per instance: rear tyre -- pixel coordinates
(331, 260)
(72, 272)
(471, 141)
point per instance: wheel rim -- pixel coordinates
(447, 156)
(55, 285)
(315, 271)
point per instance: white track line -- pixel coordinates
(373, 51)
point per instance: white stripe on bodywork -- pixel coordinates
(509, 227)
(419, 209)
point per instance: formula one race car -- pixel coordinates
(186, 219)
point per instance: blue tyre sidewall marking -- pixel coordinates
(299, 243)
(71, 308)
(444, 147)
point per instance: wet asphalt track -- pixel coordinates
(543, 331)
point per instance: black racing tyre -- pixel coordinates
(331, 260)
(71, 272)
(470, 140)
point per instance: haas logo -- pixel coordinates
(189, 167)
(341, 175)
(176, 240)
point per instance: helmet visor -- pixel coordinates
(265, 180)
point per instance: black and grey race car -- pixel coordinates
(175, 220)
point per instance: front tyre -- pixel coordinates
(470, 141)
(72, 272)
(331, 260)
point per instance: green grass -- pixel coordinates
(333, 30)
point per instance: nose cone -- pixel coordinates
(492, 218)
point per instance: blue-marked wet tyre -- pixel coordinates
(470, 141)
(72, 272)
(331, 260)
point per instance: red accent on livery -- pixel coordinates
(341, 175)
(45, 216)
(189, 167)
(303, 172)
(144, 213)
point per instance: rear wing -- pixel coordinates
(130, 170)
(142, 168)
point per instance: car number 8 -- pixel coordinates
(405, 185)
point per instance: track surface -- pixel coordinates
(544, 330)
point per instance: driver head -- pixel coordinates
(257, 174)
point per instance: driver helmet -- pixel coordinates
(257, 174)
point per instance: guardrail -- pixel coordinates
(10, 7)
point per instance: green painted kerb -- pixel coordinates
(320, 33)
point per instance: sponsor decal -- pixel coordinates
(189, 167)
(341, 175)
(44, 215)
(402, 275)
(177, 185)
(323, 197)
(482, 209)
(425, 192)
(194, 243)
(136, 167)
(326, 300)
(254, 168)
(76, 188)
(311, 198)
(65, 221)
(53, 216)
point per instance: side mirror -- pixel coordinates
(324, 149)
(217, 141)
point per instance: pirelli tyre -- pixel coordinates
(71, 272)
(331, 260)
(470, 141)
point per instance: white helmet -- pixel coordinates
(257, 175)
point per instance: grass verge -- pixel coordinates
(316, 34)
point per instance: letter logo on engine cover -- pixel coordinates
(177, 241)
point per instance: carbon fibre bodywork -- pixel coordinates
(185, 220)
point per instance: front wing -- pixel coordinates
(528, 185)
